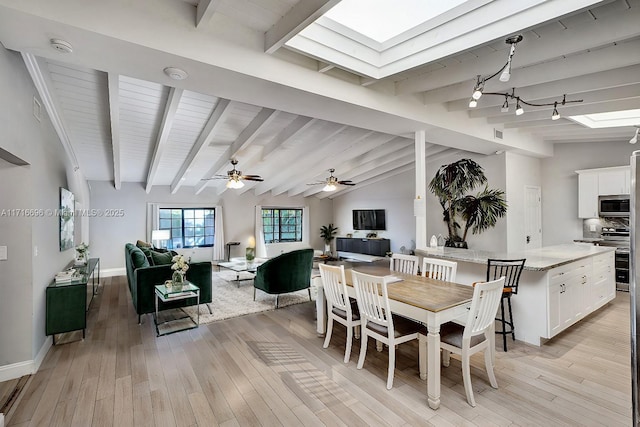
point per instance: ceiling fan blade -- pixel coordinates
(215, 177)
(346, 183)
(316, 183)
(251, 178)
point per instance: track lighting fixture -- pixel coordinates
(505, 75)
(635, 137)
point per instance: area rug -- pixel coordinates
(229, 300)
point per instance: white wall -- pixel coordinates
(560, 222)
(521, 171)
(395, 196)
(110, 234)
(35, 186)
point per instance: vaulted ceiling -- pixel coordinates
(289, 116)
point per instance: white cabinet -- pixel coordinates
(600, 182)
(614, 181)
(588, 195)
(577, 289)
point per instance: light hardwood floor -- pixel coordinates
(270, 369)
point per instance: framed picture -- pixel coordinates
(66, 219)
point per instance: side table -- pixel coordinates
(166, 294)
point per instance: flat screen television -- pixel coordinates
(369, 219)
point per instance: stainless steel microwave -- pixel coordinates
(613, 205)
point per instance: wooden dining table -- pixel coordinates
(430, 301)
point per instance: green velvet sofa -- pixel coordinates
(285, 273)
(142, 277)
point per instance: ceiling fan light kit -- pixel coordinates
(235, 177)
(505, 75)
(331, 183)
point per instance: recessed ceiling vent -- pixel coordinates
(176, 73)
(61, 45)
(497, 134)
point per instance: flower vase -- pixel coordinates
(177, 280)
(327, 248)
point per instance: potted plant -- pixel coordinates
(462, 211)
(328, 233)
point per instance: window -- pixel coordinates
(282, 225)
(190, 227)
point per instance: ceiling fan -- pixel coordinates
(235, 177)
(332, 182)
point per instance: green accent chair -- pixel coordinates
(142, 277)
(285, 273)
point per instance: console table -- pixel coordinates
(67, 303)
(375, 247)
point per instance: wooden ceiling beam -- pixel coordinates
(219, 113)
(297, 19)
(205, 11)
(173, 101)
(114, 113)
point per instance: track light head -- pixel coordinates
(478, 88)
(555, 115)
(506, 74)
(473, 103)
(519, 109)
(505, 106)
(635, 137)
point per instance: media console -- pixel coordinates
(375, 247)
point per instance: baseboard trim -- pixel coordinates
(16, 370)
(28, 367)
(110, 272)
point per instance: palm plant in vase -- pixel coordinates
(462, 211)
(328, 233)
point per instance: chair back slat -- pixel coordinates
(335, 287)
(373, 299)
(484, 306)
(510, 269)
(404, 263)
(439, 269)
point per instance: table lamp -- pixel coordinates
(251, 249)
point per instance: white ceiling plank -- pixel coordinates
(114, 112)
(246, 138)
(171, 107)
(205, 10)
(297, 168)
(298, 18)
(368, 142)
(298, 126)
(44, 85)
(552, 124)
(601, 32)
(217, 118)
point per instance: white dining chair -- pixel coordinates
(476, 335)
(439, 269)
(379, 323)
(404, 263)
(340, 307)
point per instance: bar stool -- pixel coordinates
(511, 270)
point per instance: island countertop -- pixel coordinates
(541, 259)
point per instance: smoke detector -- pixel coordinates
(176, 73)
(61, 45)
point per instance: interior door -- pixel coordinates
(532, 217)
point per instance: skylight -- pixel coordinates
(610, 119)
(381, 20)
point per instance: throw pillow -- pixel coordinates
(161, 250)
(142, 244)
(160, 258)
(147, 253)
(138, 258)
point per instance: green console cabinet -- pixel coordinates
(67, 303)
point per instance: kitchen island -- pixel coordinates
(559, 286)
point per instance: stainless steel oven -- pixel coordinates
(613, 206)
(619, 237)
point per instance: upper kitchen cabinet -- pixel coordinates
(600, 182)
(614, 181)
(587, 194)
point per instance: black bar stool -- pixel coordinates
(511, 270)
